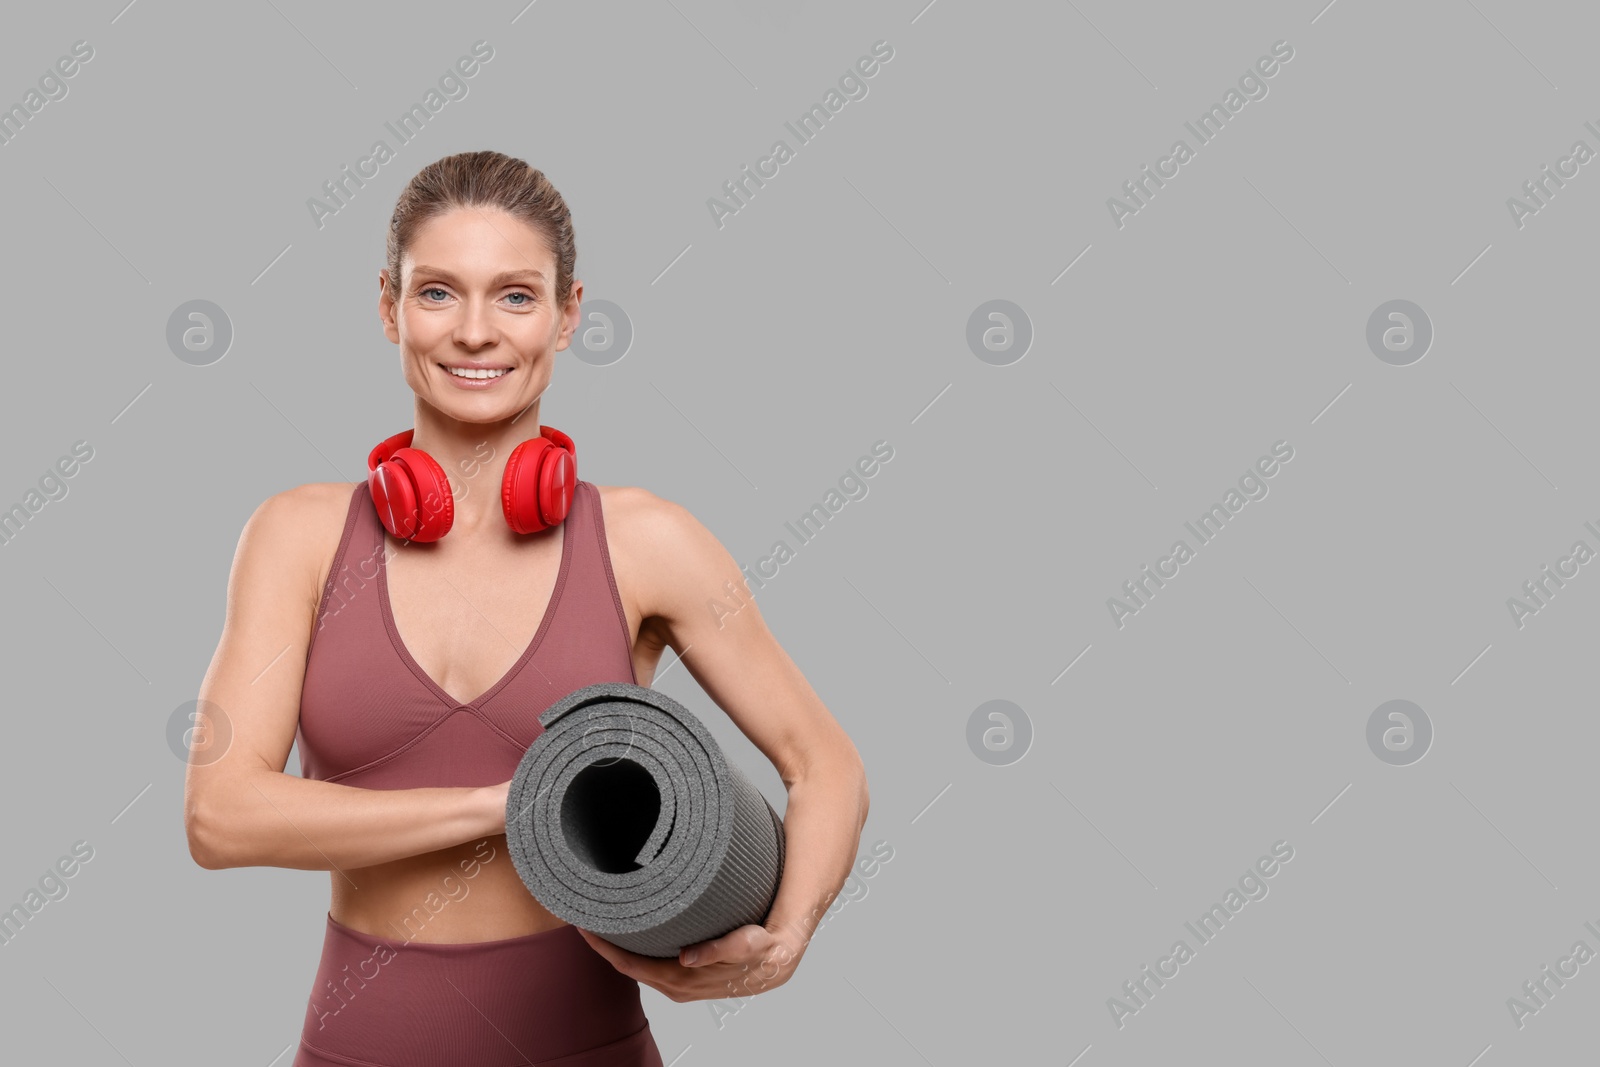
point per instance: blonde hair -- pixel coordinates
(491, 179)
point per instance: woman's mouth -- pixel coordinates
(475, 377)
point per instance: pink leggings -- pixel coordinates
(545, 998)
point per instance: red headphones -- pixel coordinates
(413, 495)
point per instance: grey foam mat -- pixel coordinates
(625, 818)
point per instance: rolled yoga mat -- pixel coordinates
(625, 818)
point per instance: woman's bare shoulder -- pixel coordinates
(306, 510)
(301, 526)
(659, 542)
(632, 512)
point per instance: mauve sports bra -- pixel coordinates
(371, 717)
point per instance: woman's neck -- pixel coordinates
(473, 455)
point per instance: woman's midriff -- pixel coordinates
(466, 893)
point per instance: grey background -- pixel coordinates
(1228, 314)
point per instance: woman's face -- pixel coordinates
(476, 321)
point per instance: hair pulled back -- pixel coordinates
(484, 179)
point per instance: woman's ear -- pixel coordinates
(386, 308)
(571, 316)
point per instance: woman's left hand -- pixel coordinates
(742, 962)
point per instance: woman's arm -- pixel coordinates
(679, 572)
(240, 809)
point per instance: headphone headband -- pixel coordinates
(386, 448)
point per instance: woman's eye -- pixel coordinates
(518, 299)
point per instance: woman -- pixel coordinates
(409, 643)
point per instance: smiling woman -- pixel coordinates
(425, 673)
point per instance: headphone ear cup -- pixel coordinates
(562, 482)
(519, 489)
(557, 475)
(432, 505)
(394, 497)
(541, 476)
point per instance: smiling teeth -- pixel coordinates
(462, 372)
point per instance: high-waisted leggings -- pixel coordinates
(544, 999)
